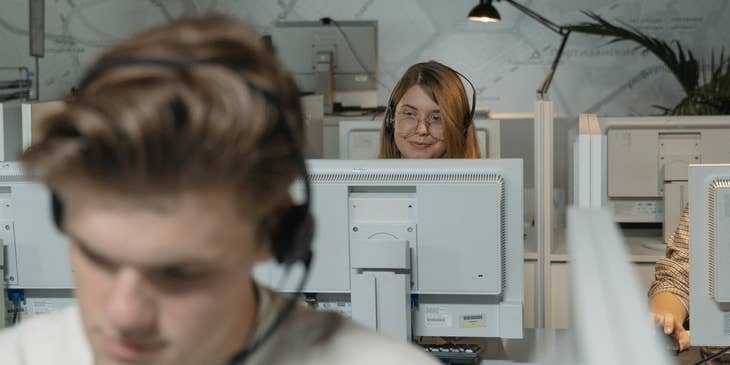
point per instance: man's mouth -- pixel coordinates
(130, 350)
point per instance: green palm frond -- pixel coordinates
(713, 96)
(707, 91)
(681, 63)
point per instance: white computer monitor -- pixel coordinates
(709, 254)
(36, 253)
(638, 166)
(609, 310)
(438, 241)
(360, 140)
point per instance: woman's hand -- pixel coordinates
(673, 328)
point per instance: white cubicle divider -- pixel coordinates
(360, 140)
(589, 169)
(709, 254)
(33, 114)
(611, 312)
(17, 121)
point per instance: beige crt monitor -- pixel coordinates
(360, 140)
(638, 166)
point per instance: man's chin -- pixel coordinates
(115, 352)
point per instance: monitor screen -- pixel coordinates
(438, 241)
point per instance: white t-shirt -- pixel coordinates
(307, 337)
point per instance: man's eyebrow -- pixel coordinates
(88, 251)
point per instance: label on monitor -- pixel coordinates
(473, 321)
(343, 308)
(436, 317)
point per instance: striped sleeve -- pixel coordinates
(671, 273)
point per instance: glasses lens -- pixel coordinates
(435, 124)
(407, 121)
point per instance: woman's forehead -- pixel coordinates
(417, 98)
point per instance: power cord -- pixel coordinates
(288, 308)
(713, 356)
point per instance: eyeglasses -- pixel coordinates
(407, 120)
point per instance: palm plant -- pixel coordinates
(707, 92)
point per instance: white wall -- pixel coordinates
(506, 61)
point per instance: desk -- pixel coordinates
(547, 346)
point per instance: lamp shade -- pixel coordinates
(484, 12)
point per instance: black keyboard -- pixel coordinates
(454, 353)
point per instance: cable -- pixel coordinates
(242, 355)
(352, 49)
(37, 79)
(713, 356)
(16, 296)
(16, 312)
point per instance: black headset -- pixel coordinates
(293, 241)
(468, 119)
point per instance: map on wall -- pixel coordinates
(506, 61)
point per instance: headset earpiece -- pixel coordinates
(469, 118)
(57, 210)
(293, 240)
(390, 117)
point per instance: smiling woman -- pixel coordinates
(428, 116)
